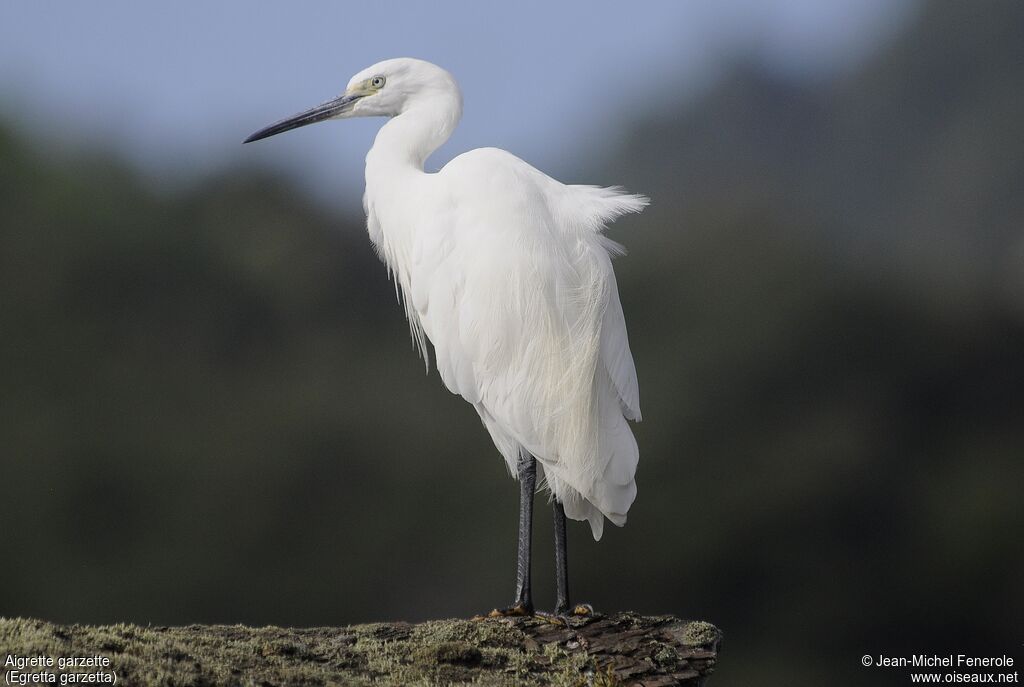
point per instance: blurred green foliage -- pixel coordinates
(210, 410)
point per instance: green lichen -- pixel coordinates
(494, 634)
(700, 633)
(489, 653)
(666, 656)
(575, 668)
(442, 652)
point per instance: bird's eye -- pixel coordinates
(377, 82)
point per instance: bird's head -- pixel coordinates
(386, 89)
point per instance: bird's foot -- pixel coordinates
(556, 618)
(578, 610)
(517, 610)
(563, 615)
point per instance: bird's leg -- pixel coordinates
(523, 604)
(527, 488)
(561, 561)
(562, 606)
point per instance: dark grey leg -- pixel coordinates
(561, 561)
(527, 486)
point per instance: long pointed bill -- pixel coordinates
(332, 108)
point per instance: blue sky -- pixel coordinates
(176, 86)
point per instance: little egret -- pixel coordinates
(507, 274)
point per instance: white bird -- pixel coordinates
(507, 274)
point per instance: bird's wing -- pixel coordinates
(597, 206)
(513, 285)
(616, 356)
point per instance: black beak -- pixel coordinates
(332, 108)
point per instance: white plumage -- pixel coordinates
(506, 273)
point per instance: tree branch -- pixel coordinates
(621, 649)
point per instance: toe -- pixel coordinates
(512, 611)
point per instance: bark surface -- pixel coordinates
(619, 649)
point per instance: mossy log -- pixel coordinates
(620, 649)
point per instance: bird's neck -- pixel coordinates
(395, 180)
(408, 139)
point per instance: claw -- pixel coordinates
(556, 618)
(513, 611)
